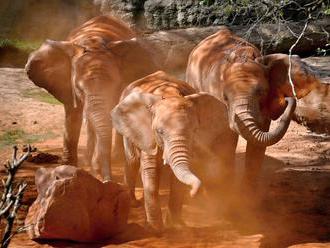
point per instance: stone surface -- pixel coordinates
(22, 19)
(73, 205)
(171, 14)
(131, 11)
(172, 48)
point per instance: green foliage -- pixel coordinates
(10, 137)
(228, 10)
(207, 2)
(15, 136)
(41, 96)
(323, 51)
(327, 11)
(24, 45)
(248, 12)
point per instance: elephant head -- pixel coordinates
(260, 91)
(56, 65)
(171, 124)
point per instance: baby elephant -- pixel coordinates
(164, 119)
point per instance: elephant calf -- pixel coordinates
(162, 118)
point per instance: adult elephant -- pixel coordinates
(255, 88)
(164, 119)
(87, 73)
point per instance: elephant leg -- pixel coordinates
(254, 158)
(90, 147)
(132, 167)
(102, 152)
(150, 178)
(174, 213)
(117, 153)
(228, 152)
(72, 126)
(253, 162)
(250, 191)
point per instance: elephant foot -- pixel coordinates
(155, 229)
(97, 175)
(135, 203)
(106, 179)
(66, 161)
(174, 222)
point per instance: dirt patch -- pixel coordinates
(292, 205)
(26, 117)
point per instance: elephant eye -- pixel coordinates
(160, 130)
(259, 91)
(225, 97)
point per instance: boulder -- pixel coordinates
(171, 48)
(74, 205)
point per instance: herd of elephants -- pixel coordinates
(107, 76)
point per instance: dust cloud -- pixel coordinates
(39, 20)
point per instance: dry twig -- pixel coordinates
(11, 197)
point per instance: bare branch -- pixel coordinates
(290, 57)
(10, 201)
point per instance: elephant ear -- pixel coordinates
(212, 115)
(302, 75)
(49, 67)
(132, 118)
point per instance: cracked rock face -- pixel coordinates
(73, 205)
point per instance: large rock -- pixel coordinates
(172, 48)
(73, 205)
(172, 14)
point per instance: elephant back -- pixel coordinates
(159, 83)
(105, 28)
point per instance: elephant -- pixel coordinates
(87, 73)
(165, 119)
(255, 88)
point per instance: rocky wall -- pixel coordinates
(37, 20)
(172, 14)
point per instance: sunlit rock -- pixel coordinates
(73, 205)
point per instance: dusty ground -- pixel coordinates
(293, 198)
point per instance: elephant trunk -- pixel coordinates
(96, 112)
(247, 126)
(179, 160)
(30, 67)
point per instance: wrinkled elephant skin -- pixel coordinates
(163, 120)
(255, 88)
(87, 73)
